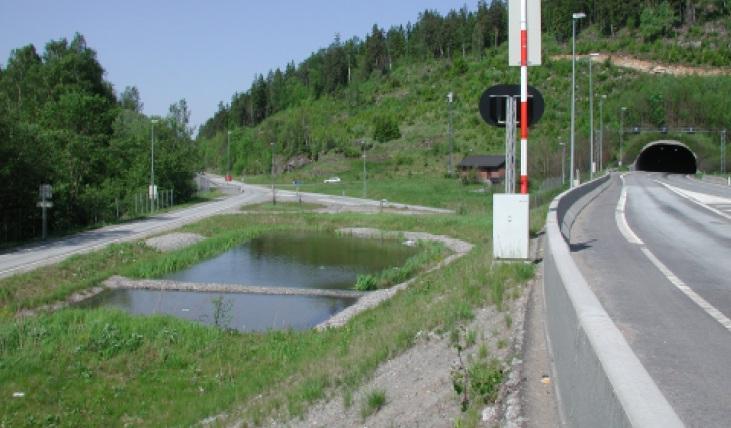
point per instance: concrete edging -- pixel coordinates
(599, 379)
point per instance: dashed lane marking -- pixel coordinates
(632, 238)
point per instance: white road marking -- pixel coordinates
(632, 238)
(680, 285)
(700, 199)
(621, 219)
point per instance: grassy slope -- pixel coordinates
(99, 367)
(415, 94)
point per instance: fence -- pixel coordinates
(23, 224)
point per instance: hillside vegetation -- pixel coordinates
(387, 94)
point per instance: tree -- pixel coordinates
(130, 99)
(375, 52)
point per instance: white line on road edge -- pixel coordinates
(621, 220)
(677, 282)
(684, 195)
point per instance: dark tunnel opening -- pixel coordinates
(673, 158)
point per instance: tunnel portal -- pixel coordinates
(667, 156)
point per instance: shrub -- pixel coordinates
(385, 128)
(365, 283)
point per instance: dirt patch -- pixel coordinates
(418, 384)
(173, 241)
(653, 67)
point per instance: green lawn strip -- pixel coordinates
(281, 207)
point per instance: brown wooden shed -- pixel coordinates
(484, 168)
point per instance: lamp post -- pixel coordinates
(621, 133)
(228, 155)
(563, 161)
(591, 117)
(574, 17)
(152, 164)
(274, 197)
(365, 173)
(450, 98)
(601, 131)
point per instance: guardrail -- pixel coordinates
(600, 382)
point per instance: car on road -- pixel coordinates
(332, 180)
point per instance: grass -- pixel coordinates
(102, 367)
(373, 402)
(281, 207)
(429, 252)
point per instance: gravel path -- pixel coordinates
(115, 282)
(173, 241)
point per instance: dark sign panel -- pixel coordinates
(492, 104)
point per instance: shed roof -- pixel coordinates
(486, 161)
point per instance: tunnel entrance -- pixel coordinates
(666, 156)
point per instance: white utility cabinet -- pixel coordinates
(510, 225)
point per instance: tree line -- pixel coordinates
(62, 123)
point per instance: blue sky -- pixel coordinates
(203, 51)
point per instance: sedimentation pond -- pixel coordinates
(314, 260)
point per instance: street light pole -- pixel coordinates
(450, 97)
(365, 174)
(621, 133)
(228, 155)
(563, 162)
(601, 131)
(152, 164)
(591, 117)
(274, 197)
(723, 151)
(575, 16)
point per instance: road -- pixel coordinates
(659, 260)
(53, 251)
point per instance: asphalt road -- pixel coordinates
(665, 279)
(35, 255)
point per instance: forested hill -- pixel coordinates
(392, 86)
(662, 30)
(62, 124)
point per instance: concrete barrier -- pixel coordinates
(600, 381)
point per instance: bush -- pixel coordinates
(365, 283)
(385, 129)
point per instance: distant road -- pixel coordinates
(32, 256)
(659, 260)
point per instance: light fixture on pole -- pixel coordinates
(574, 17)
(601, 131)
(591, 117)
(152, 190)
(621, 133)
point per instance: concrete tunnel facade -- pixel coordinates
(667, 156)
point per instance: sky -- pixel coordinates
(203, 51)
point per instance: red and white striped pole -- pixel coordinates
(523, 96)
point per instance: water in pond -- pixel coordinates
(299, 259)
(294, 259)
(244, 312)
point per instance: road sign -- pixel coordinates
(46, 191)
(533, 28)
(492, 104)
(45, 204)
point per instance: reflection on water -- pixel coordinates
(292, 259)
(299, 259)
(244, 312)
